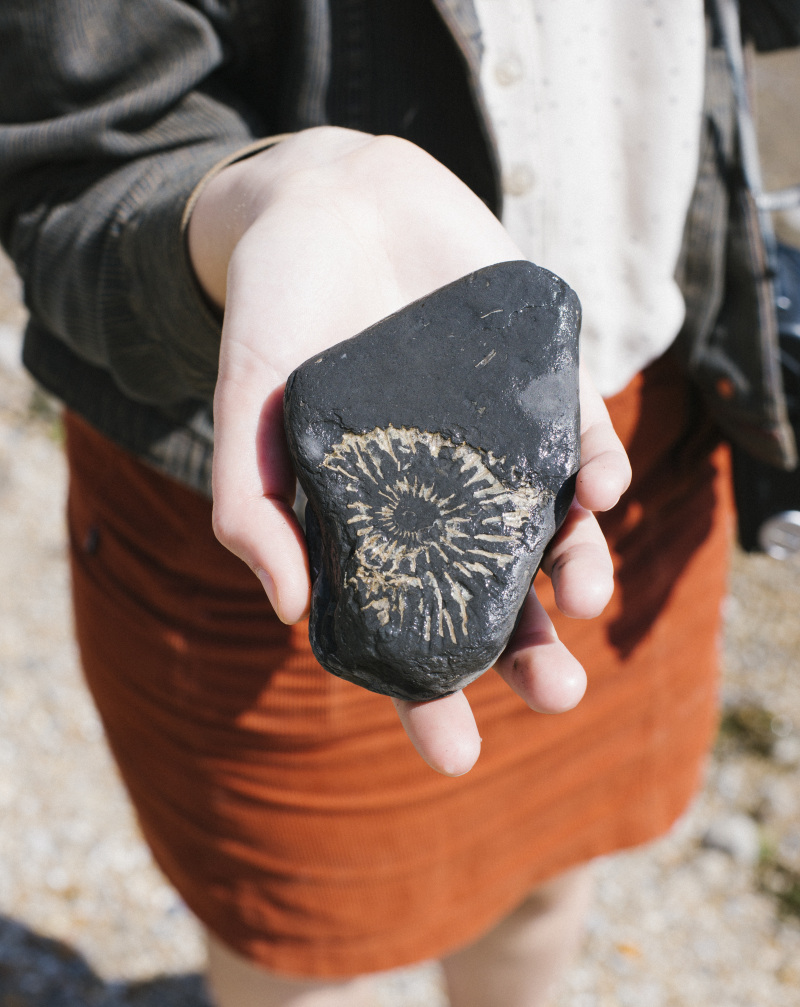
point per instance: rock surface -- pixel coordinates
(438, 451)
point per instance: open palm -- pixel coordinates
(306, 244)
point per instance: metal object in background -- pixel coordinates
(768, 499)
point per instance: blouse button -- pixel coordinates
(508, 70)
(518, 180)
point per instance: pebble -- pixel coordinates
(786, 752)
(737, 835)
(789, 848)
(778, 798)
(730, 781)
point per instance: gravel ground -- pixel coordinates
(708, 915)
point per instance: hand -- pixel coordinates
(304, 245)
(535, 664)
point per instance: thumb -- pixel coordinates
(253, 487)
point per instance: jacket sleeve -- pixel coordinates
(110, 117)
(771, 24)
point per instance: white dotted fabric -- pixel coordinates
(596, 105)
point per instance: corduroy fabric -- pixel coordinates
(288, 807)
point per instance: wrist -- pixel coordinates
(230, 201)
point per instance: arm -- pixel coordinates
(109, 121)
(305, 245)
(107, 136)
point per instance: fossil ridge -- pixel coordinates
(438, 450)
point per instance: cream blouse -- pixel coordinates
(596, 106)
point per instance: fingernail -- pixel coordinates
(269, 587)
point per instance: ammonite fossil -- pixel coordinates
(432, 526)
(438, 451)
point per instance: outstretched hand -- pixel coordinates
(304, 245)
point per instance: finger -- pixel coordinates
(580, 566)
(605, 470)
(443, 731)
(253, 489)
(537, 666)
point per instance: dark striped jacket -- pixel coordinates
(112, 111)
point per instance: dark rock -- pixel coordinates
(438, 450)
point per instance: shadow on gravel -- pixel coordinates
(37, 971)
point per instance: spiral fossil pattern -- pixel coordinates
(432, 525)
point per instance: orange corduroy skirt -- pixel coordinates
(288, 807)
